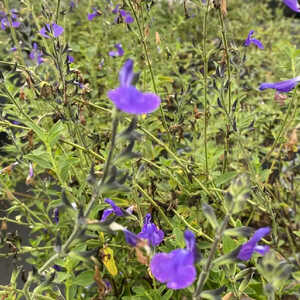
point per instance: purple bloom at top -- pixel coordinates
(251, 246)
(125, 14)
(281, 86)
(127, 98)
(36, 54)
(55, 29)
(151, 232)
(119, 52)
(292, 4)
(94, 14)
(176, 268)
(250, 40)
(5, 21)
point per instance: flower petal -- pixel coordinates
(292, 4)
(130, 100)
(126, 73)
(57, 30)
(260, 233)
(106, 213)
(282, 86)
(262, 249)
(257, 43)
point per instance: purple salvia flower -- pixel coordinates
(281, 86)
(131, 238)
(119, 52)
(115, 209)
(251, 246)
(5, 21)
(55, 29)
(250, 40)
(292, 4)
(94, 14)
(57, 268)
(150, 232)
(13, 49)
(116, 9)
(36, 54)
(127, 98)
(126, 16)
(70, 59)
(176, 268)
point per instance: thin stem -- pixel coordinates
(57, 11)
(226, 49)
(281, 129)
(205, 271)
(154, 204)
(107, 163)
(151, 71)
(205, 86)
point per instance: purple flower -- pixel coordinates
(131, 238)
(5, 21)
(115, 209)
(176, 268)
(36, 54)
(119, 52)
(70, 59)
(281, 86)
(251, 246)
(94, 14)
(125, 14)
(250, 40)
(55, 29)
(150, 232)
(292, 4)
(13, 49)
(127, 98)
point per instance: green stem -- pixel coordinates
(206, 268)
(154, 204)
(205, 86)
(151, 71)
(226, 49)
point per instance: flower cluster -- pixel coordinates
(53, 28)
(4, 20)
(123, 13)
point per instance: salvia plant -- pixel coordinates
(149, 149)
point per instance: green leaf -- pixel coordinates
(84, 279)
(40, 157)
(224, 178)
(179, 237)
(54, 133)
(228, 244)
(167, 295)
